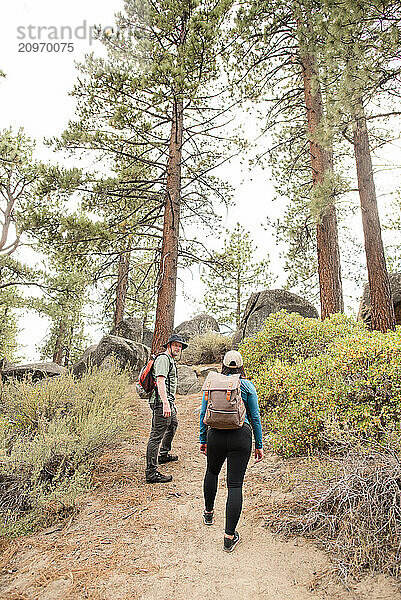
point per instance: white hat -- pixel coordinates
(233, 359)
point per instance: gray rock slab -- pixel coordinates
(133, 329)
(197, 326)
(35, 371)
(188, 382)
(114, 349)
(262, 304)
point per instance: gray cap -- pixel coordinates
(232, 358)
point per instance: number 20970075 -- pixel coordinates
(45, 47)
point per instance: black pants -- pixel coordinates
(161, 435)
(235, 445)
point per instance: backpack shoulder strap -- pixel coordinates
(171, 363)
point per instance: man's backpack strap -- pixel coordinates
(168, 374)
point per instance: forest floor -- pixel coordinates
(131, 540)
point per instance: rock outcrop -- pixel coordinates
(196, 326)
(112, 348)
(35, 371)
(188, 382)
(262, 304)
(133, 329)
(205, 371)
(364, 313)
(82, 364)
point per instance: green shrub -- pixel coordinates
(207, 348)
(290, 337)
(50, 434)
(324, 372)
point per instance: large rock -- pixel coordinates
(112, 348)
(147, 337)
(133, 329)
(188, 382)
(35, 371)
(82, 364)
(196, 326)
(205, 371)
(364, 313)
(262, 304)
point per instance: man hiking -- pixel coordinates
(164, 420)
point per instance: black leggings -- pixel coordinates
(235, 445)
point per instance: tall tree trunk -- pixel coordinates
(68, 347)
(328, 252)
(166, 296)
(59, 345)
(238, 311)
(122, 284)
(382, 307)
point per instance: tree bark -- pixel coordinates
(382, 307)
(166, 296)
(59, 345)
(238, 312)
(328, 252)
(122, 284)
(68, 347)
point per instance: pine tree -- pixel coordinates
(9, 301)
(18, 172)
(321, 158)
(360, 64)
(232, 275)
(64, 306)
(142, 291)
(156, 101)
(281, 67)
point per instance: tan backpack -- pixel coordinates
(225, 407)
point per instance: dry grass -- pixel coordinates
(50, 436)
(354, 513)
(207, 348)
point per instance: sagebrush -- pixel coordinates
(206, 348)
(50, 434)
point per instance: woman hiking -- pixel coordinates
(234, 444)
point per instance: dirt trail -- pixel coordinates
(133, 541)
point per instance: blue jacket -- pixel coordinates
(250, 398)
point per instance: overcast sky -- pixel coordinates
(34, 95)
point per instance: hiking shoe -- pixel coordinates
(229, 545)
(208, 518)
(165, 458)
(158, 477)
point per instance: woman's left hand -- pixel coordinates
(203, 448)
(258, 454)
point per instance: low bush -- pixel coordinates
(50, 434)
(207, 348)
(310, 374)
(289, 338)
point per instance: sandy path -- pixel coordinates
(132, 541)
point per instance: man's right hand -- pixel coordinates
(166, 409)
(161, 388)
